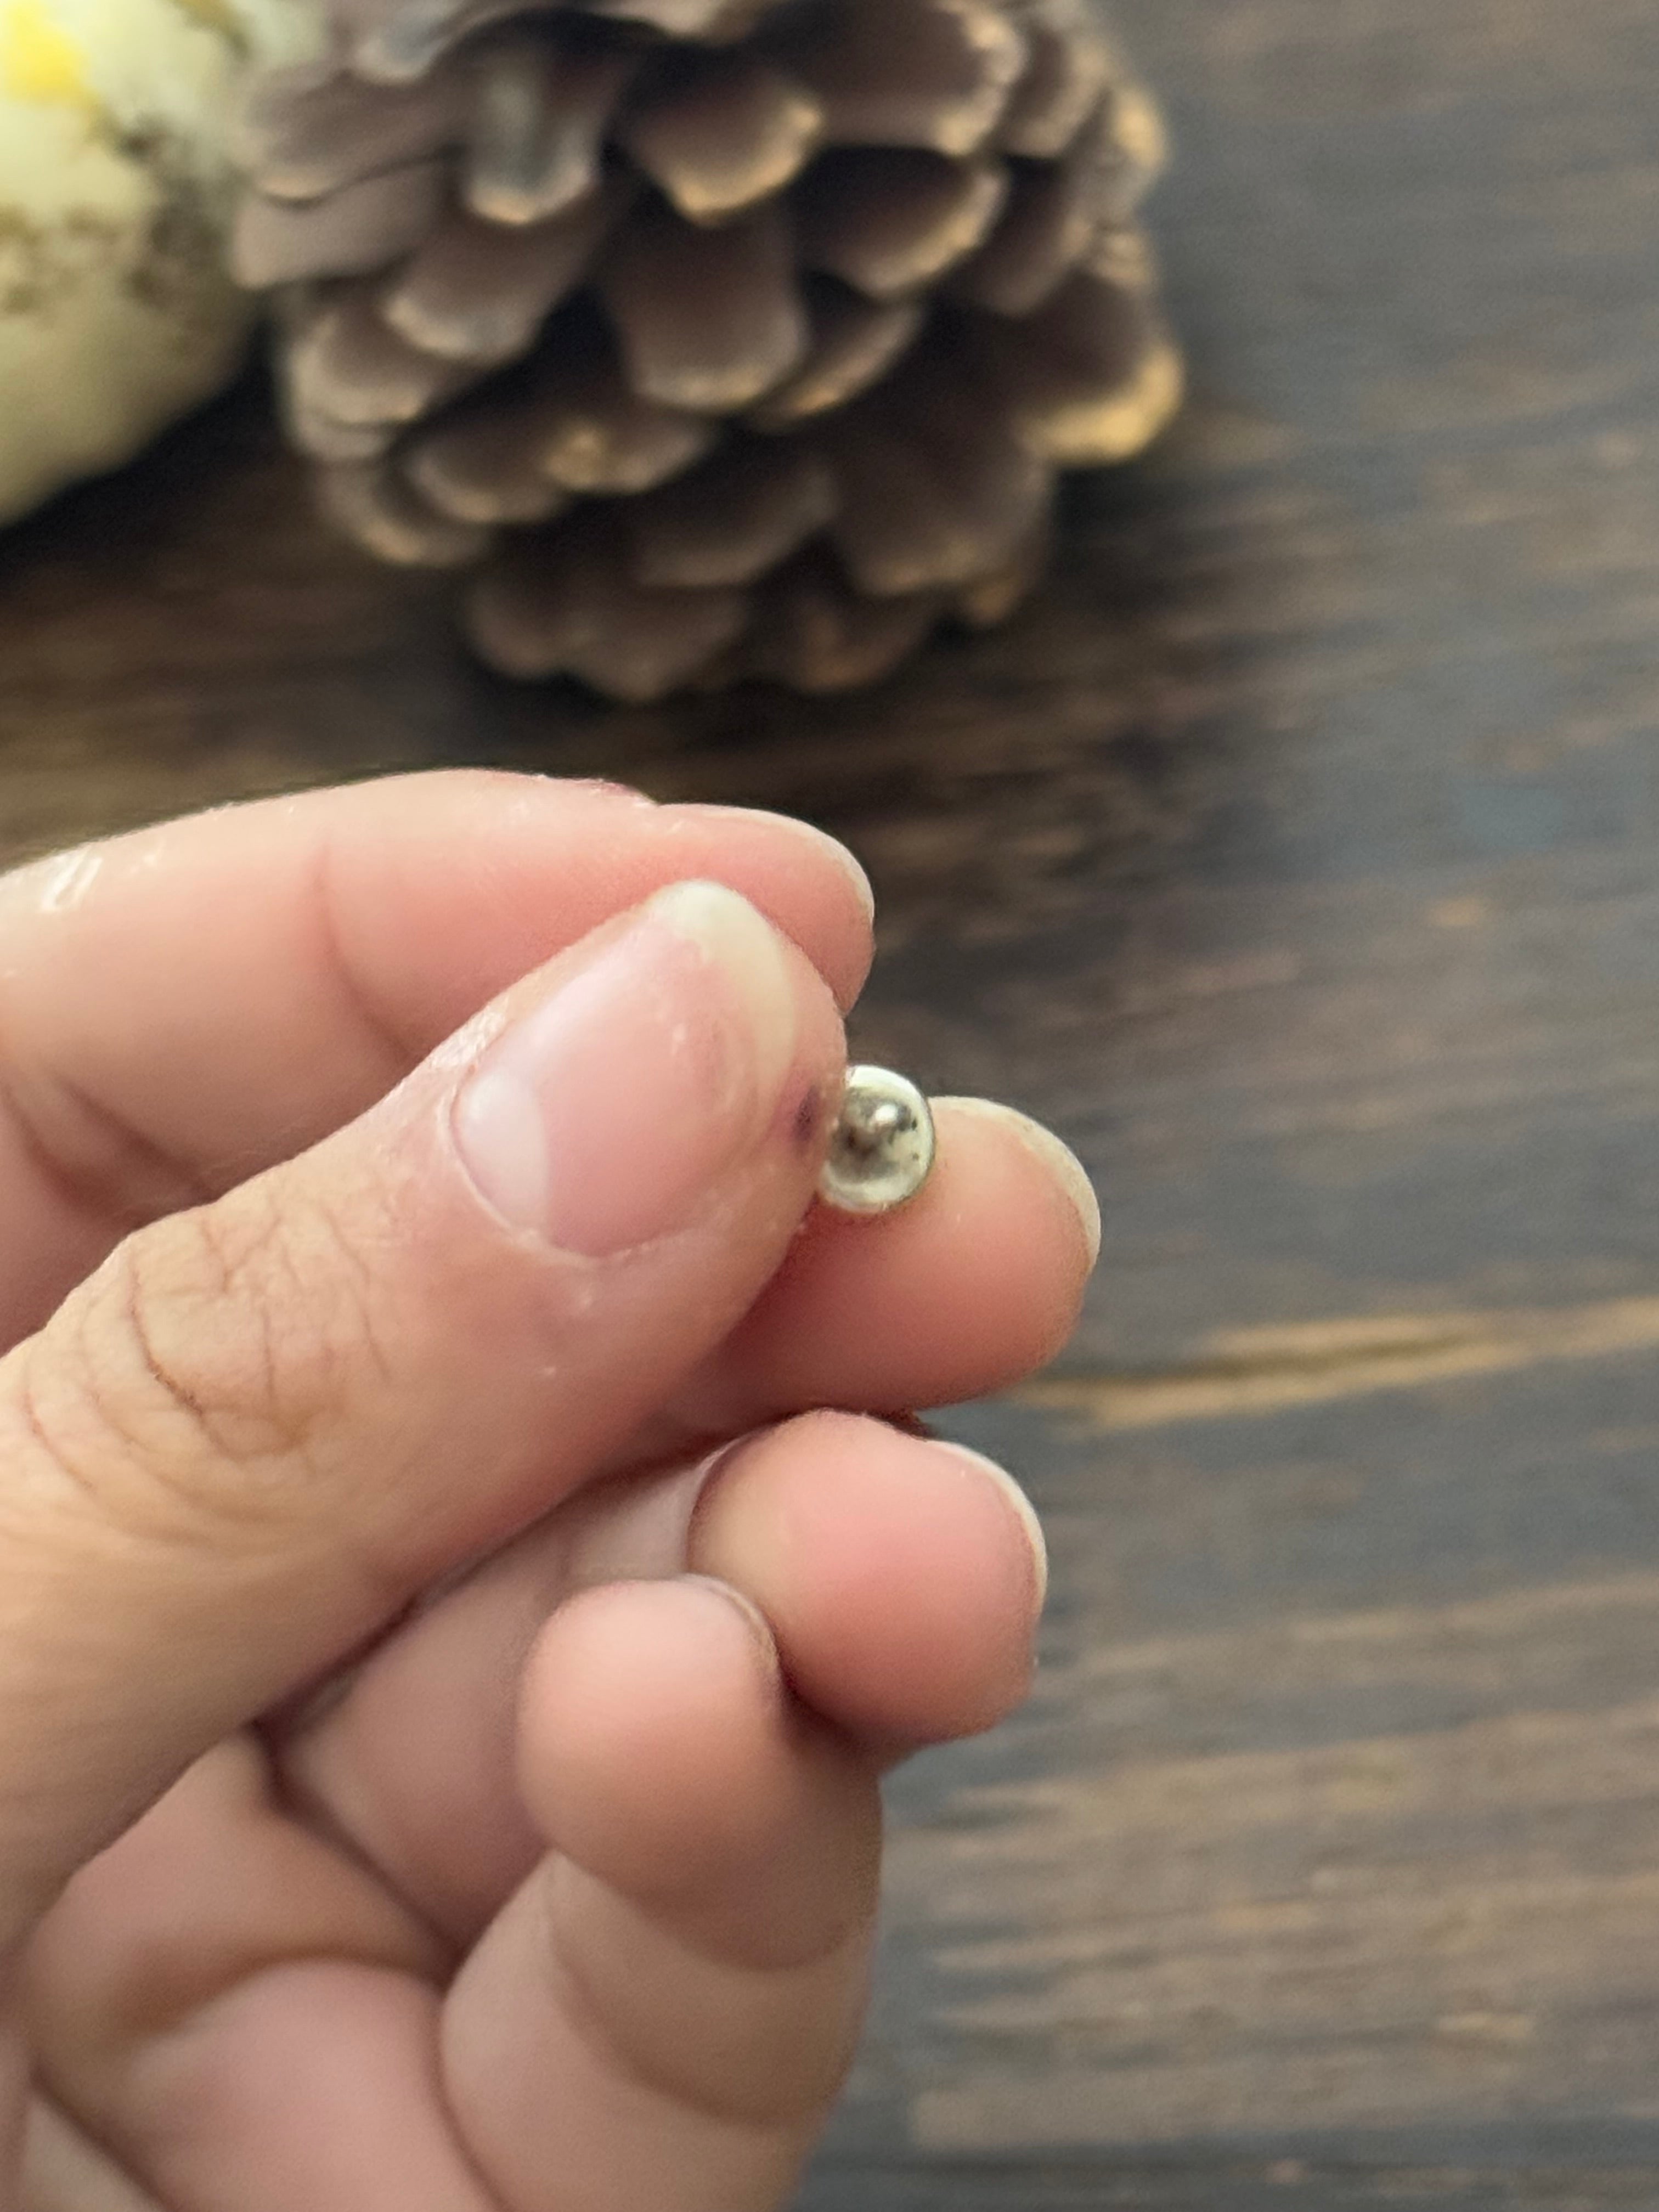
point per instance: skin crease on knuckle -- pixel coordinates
(185, 1388)
(743, 2067)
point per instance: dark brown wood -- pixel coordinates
(1283, 2184)
(1297, 854)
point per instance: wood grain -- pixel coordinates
(1297, 854)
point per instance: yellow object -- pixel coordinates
(116, 313)
(38, 59)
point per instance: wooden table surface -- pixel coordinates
(1297, 856)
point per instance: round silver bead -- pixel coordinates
(881, 1150)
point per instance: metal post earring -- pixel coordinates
(881, 1151)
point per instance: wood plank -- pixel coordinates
(1335, 1819)
(1283, 2184)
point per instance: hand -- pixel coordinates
(438, 1765)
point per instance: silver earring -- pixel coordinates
(881, 1150)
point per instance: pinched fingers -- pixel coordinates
(185, 1007)
(904, 1578)
(264, 1424)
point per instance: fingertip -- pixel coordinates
(904, 1578)
(488, 874)
(1024, 1514)
(972, 1286)
(1056, 1160)
(651, 1732)
(796, 870)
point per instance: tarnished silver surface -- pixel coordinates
(882, 1150)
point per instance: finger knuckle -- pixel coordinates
(196, 1378)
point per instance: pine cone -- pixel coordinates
(720, 337)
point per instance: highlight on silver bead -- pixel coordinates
(881, 1151)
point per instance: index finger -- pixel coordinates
(185, 1007)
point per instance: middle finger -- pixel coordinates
(972, 1286)
(897, 1573)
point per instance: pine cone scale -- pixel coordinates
(853, 343)
(1068, 73)
(590, 433)
(734, 134)
(731, 521)
(931, 73)
(890, 222)
(569, 604)
(351, 368)
(713, 22)
(1089, 377)
(478, 292)
(814, 633)
(929, 500)
(309, 129)
(708, 319)
(1045, 231)
(382, 511)
(367, 224)
(485, 468)
(397, 45)
(539, 121)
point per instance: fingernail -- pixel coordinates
(808, 833)
(602, 786)
(1020, 1506)
(602, 1115)
(1061, 1164)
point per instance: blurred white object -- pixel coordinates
(116, 313)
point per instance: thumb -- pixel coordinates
(264, 1426)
